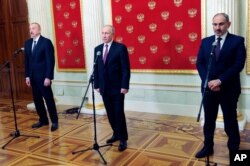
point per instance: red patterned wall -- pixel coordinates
(68, 34)
(161, 35)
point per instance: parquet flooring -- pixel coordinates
(154, 140)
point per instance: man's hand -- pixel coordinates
(214, 85)
(124, 91)
(47, 82)
(27, 81)
(97, 90)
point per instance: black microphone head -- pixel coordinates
(19, 50)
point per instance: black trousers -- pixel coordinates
(114, 105)
(228, 102)
(41, 92)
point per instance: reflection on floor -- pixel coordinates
(154, 139)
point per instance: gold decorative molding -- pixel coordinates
(153, 71)
(247, 39)
(165, 60)
(220, 118)
(98, 106)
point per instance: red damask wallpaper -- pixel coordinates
(68, 34)
(161, 35)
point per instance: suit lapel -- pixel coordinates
(208, 44)
(111, 50)
(38, 45)
(225, 46)
(30, 46)
(100, 58)
(33, 50)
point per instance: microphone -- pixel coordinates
(213, 47)
(98, 53)
(19, 50)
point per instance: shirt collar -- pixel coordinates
(223, 37)
(109, 44)
(37, 38)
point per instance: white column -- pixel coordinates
(230, 7)
(40, 12)
(92, 19)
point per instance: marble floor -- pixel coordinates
(154, 140)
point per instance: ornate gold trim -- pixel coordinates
(164, 71)
(97, 106)
(166, 85)
(220, 118)
(247, 38)
(161, 71)
(54, 35)
(203, 19)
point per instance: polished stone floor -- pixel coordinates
(154, 140)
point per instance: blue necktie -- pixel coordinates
(217, 48)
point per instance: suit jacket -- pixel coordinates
(115, 73)
(230, 63)
(40, 63)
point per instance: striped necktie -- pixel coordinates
(105, 53)
(34, 45)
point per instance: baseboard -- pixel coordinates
(141, 106)
(177, 109)
(162, 108)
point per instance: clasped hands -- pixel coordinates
(214, 85)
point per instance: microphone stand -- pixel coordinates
(16, 134)
(95, 145)
(208, 162)
(205, 90)
(205, 86)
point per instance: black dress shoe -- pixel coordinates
(204, 152)
(122, 146)
(111, 140)
(54, 127)
(38, 125)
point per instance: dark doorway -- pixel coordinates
(13, 32)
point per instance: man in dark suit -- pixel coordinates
(111, 79)
(223, 87)
(39, 71)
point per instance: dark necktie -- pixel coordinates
(217, 48)
(34, 46)
(105, 53)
